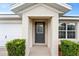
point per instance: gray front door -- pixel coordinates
(39, 32)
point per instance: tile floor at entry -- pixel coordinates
(39, 51)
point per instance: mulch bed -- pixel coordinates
(59, 52)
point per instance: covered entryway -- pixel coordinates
(49, 36)
(39, 27)
(34, 30)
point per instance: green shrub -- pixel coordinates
(16, 47)
(69, 48)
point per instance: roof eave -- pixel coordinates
(59, 6)
(69, 18)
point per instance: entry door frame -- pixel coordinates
(46, 27)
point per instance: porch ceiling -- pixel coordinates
(40, 17)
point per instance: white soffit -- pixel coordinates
(9, 17)
(60, 6)
(17, 7)
(69, 18)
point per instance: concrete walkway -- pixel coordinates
(3, 51)
(39, 51)
(35, 51)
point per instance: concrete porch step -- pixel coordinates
(39, 51)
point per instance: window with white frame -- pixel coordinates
(67, 30)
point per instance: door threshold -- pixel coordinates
(39, 45)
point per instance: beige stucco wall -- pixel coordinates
(77, 31)
(54, 33)
(41, 11)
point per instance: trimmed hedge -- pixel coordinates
(69, 48)
(16, 47)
